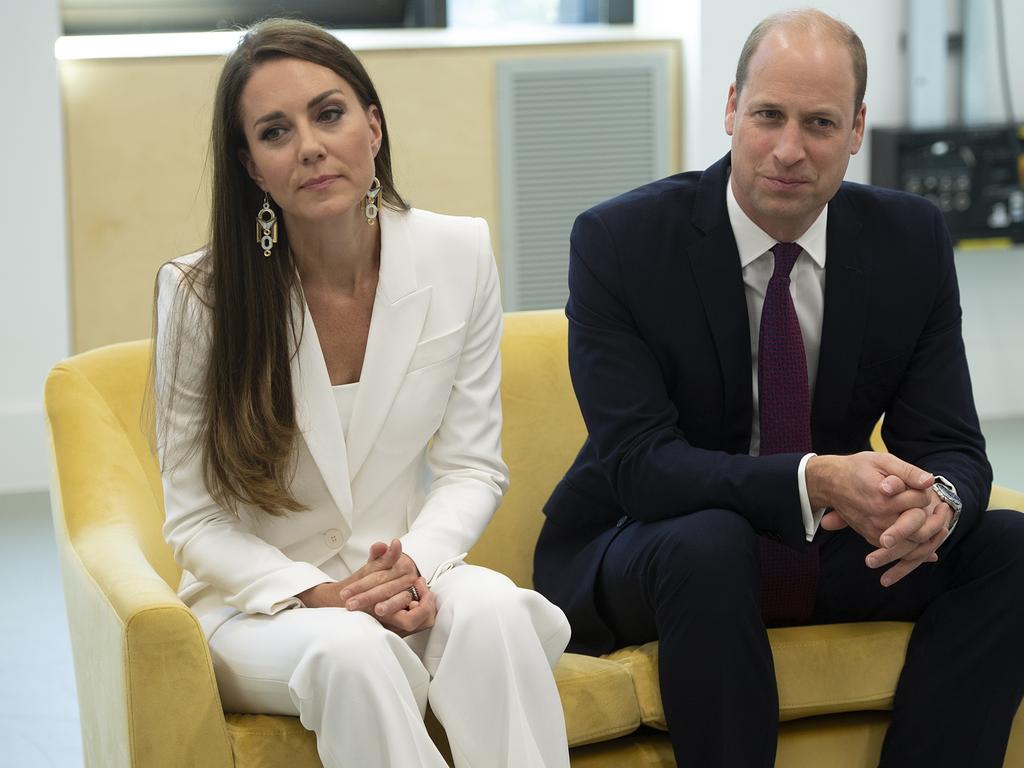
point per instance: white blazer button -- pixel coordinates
(333, 538)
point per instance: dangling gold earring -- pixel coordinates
(370, 203)
(266, 227)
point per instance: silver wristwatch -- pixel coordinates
(946, 491)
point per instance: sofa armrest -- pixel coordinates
(1006, 498)
(146, 688)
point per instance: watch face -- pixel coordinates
(947, 496)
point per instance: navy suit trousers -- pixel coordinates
(693, 583)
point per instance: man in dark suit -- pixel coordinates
(734, 336)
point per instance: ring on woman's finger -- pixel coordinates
(414, 592)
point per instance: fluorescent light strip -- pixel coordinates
(145, 46)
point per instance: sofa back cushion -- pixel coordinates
(543, 431)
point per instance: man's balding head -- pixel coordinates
(809, 22)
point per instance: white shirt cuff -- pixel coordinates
(812, 519)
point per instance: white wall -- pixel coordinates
(983, 93)
(713, 32)
(33, 259)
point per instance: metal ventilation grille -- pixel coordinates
(571, 133)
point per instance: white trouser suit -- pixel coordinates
(412, 451)
(484, 667)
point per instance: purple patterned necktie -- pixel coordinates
(789, 577)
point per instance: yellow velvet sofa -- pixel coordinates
(147, 693)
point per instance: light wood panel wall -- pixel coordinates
(136, 143)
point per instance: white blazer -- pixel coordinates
(422, 459)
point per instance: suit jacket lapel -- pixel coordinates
(842, 328)
(396, 325)
(317, 415)
(716, 268)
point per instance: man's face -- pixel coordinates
(793, 130)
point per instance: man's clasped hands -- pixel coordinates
(887, 501)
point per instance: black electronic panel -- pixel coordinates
(974, 175)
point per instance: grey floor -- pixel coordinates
(38, 707)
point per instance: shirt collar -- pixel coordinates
(753, 242)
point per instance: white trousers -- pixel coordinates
(484, 667)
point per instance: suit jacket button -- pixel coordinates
(333, 538)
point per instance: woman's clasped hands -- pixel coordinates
(387, 588)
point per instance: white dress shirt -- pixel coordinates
(807, 286)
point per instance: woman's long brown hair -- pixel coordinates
(247, 429)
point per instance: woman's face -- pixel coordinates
(311, 143)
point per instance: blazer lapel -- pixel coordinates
(317, 416)
(396, 325)
(842, 327)
(715, 262)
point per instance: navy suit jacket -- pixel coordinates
(659, 353)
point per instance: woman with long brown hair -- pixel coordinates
(326, 382)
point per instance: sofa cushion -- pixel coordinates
(274, 741)
(838, 667)
(598, 698)
(820, 669)
(597, 695)
(280, 741)
(271, 741)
